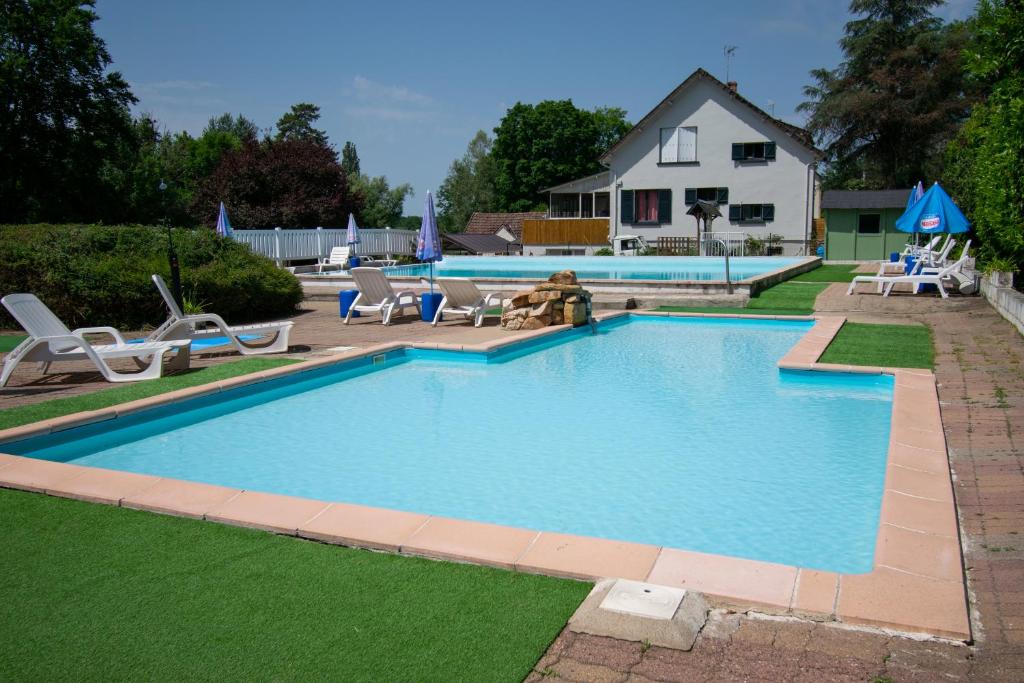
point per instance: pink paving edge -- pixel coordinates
(916, 585)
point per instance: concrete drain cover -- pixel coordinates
(643, 599)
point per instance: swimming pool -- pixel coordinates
(674, 432)
(668, 268)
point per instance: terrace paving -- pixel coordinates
(981, 388)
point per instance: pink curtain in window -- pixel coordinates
(647, 206)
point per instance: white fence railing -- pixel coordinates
(735, 242)
(313, 243)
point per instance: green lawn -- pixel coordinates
(786, 298)
(9, 341)
(13, 417)
(92, 592)
(829, 273)
(900, 346)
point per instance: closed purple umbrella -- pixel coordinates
(352, 234)
(223, 224)
(428, 247)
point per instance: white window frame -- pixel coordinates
(671, 145)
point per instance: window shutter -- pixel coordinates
(669, 145)
(735, 212)
(690, 196)
(737, 151)
(664, 206)
(769, 151)
(626, 210)
(688, 144)
(723, 195)
(768, 212)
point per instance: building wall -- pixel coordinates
(787, 182)
(844, 243)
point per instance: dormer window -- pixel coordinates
(678, 145)
(753, 151)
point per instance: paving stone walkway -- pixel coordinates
(980, 374)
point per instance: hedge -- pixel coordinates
(100, 275)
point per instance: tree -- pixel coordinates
(885, 114)
(985, 170)
(537, 146)
(272, 183)
(239, 127)
(297, 124)
(468, 187)
(64, 117)
(382, 205)
(350, 159)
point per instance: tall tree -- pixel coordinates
(350, 159)
(985, 170)
(884, 115)
(537, 146)
(237, 126)
(297, 124)
(64, 115)
(382, 204)
(468, 187)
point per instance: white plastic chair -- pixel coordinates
(377, 296)
(50, 340)
(462, 297)
(336, 261)
(927, 276)
(181, 326)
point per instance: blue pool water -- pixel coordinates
(599, 267)
(668, 431)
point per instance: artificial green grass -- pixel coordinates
(92, 592)
(9, 341)
(730, 310)
(786, 298)
(14, 417)
(829, 273)
(898, 346)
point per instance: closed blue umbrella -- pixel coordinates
(223, 224)
(915, 195)
(352, 234)
(428, 247)
(934, 213)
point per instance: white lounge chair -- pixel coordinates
(377, 296)
(928, 276)
(181, 326)
(336, 261)
(50, 340)
(462, 297)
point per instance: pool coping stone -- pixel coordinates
(917, 584)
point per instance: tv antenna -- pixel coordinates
(771, 107)
(728, 51)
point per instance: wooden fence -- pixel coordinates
(313, 243)
(588, 231)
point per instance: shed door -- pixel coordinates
(870, 243)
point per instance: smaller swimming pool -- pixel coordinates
(668, 268)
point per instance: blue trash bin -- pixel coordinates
(909, 263)
(894, 257)
(346, 297)
(353, 262)
(429, 303)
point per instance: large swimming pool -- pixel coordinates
(667, 431)
(600, 267)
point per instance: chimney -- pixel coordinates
(731, 85)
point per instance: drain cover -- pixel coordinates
(643, 599)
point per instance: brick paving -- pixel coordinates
(981, 387)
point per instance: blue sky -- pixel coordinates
(411, 82)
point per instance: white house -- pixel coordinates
(703, 141)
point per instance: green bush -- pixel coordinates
(604, 251)
(100, 275)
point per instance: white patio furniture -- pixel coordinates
(49, 340)
(462, 297)
(273, 336)
(377, 296)
(927, 276)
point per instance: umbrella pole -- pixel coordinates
(431, 277)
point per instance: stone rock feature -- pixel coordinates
(559, 301)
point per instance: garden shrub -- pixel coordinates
(100, 275)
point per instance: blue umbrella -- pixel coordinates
(915, 195)
(352, 234)
(935, 212)
(223, 224)
(428, 247)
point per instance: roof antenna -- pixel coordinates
(771, 107)
(728, 51)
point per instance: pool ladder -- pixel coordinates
(725, 250)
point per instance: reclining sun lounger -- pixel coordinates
(462, 297)
(181, 326)
(927, 276)
(377, 296)
(49, 340)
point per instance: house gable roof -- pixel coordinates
(795, 132)
(481, 223)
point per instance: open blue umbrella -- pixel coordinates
(428, 247)
(934, 212)
(223, 224)
(352, 234)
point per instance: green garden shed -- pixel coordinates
(860, 225)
